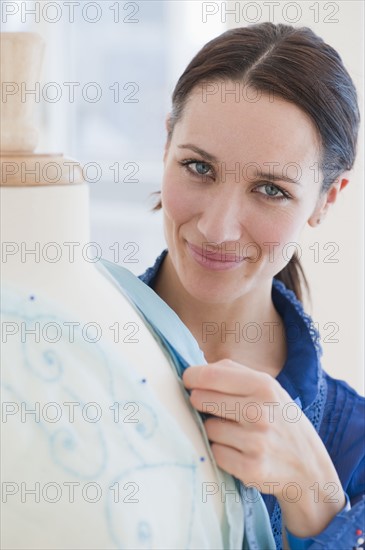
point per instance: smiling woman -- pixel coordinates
(221, 207)
(261, 136)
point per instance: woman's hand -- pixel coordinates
(259, 435)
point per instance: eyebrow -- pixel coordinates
(201, 152)
(213, 158)
(273, 177)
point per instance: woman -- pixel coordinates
(262, 132)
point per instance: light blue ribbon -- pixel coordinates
(185, 351)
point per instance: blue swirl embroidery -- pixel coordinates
(50, 370)
(141, 474)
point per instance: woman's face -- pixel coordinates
(240, 183)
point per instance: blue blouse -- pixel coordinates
(336, 411)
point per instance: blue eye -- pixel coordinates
(197, 168)
(202, 168)
(273, 192)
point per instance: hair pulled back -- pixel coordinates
(294, 64)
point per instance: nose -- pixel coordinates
(222, 217)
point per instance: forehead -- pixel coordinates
(248, 126)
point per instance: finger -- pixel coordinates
(233, 435)
(237, 464)
(234, 408)
(224, 377)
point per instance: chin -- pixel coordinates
(213, 292)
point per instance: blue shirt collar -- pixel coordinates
(301, 372)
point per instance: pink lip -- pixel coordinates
(217, 261)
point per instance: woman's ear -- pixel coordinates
(344, 182)
(328, 199)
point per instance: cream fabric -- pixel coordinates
(108, 465)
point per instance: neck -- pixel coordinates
(248, 330)
(44, 230)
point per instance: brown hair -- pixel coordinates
(298, 66)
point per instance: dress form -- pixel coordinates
(47, 212)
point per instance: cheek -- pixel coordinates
(275, 225)
(277, 233)
(179, 205)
